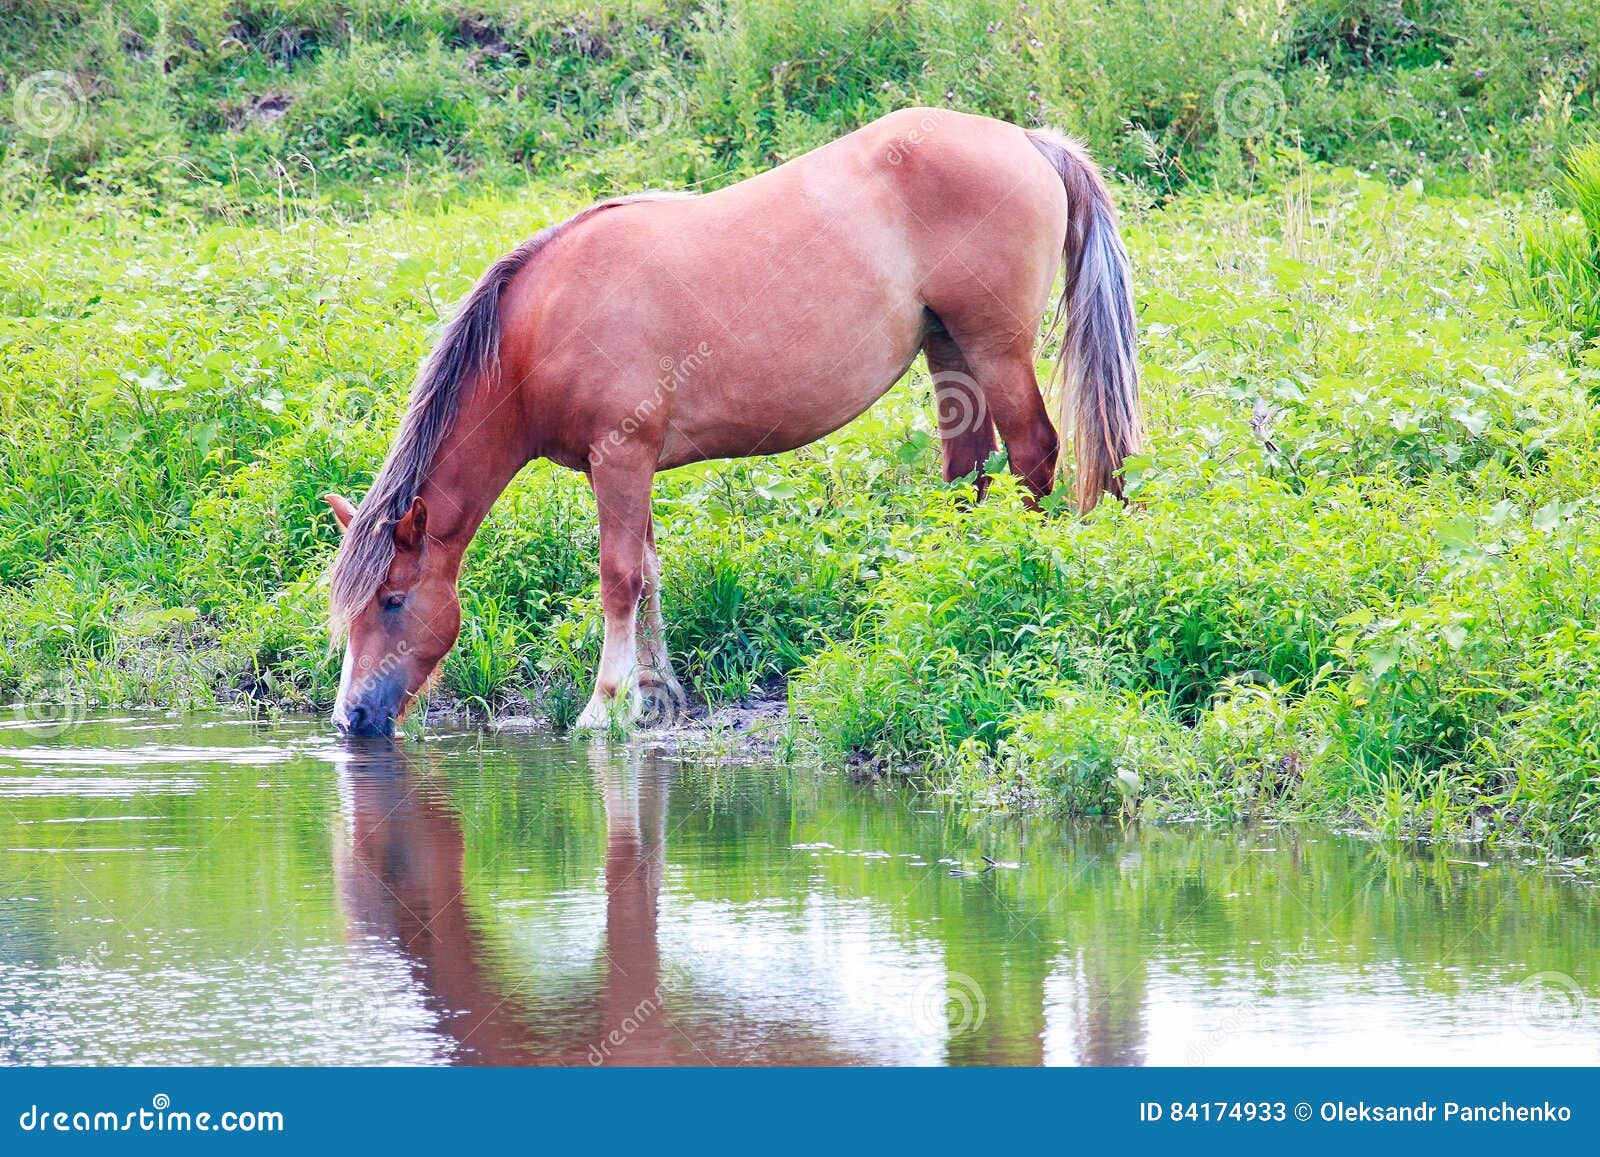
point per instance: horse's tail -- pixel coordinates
(1099, 372)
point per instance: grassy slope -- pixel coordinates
(1372, 599)
(340, 93)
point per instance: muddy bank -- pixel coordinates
(755, 726)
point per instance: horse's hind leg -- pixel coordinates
(656, 678)
(966, 429)
(622, 495)
(1011, 389)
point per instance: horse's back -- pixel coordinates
(796, 298)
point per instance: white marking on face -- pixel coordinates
(341, 717)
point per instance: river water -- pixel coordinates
(181, 890)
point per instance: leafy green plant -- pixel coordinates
(489, 658)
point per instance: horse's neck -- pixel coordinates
(471, 469)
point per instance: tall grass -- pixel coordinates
(183, 97)
(1552, 264)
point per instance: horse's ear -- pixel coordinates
(410, 530)
(343, 511)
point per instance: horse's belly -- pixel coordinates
(783, 390)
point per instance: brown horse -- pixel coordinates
(651, 332)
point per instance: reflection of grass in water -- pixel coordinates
(247, 840)
(1104, 902)
(731, 838)
(1109, 899)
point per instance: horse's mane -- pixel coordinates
(469, 350)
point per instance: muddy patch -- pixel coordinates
(756, 725)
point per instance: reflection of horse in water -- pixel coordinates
(401, 877)
(399, 865)
(399, 870)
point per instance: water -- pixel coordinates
(202, 891)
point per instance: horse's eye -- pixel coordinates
(394, 602)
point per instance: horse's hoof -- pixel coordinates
(661, 701)
(595, 717)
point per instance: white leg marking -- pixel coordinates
(619, 663)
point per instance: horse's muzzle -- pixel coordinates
(363, 720)
(372, 709)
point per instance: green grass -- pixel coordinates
(1355, 578)
(1553, 264)
(1381, 592)
(210, 101)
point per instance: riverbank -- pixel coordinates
(1354, 576)
(763, 729)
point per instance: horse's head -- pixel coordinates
(395, 640)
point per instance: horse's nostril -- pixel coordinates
(355, 719)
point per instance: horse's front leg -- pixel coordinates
(622, 496)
